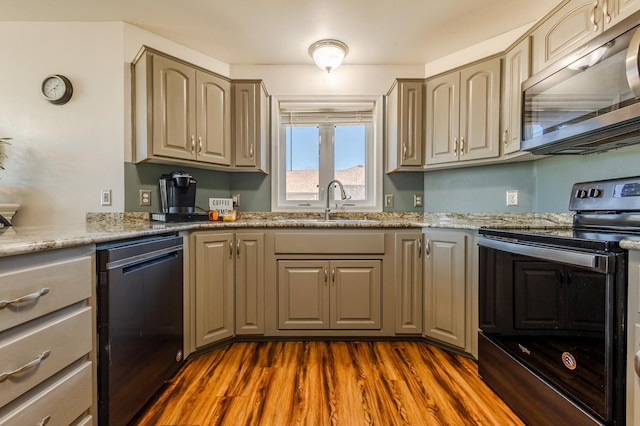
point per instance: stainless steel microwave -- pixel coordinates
(589, 101)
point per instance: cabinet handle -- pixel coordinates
(199, 144)
(593, 16)
(605, 11)
(419, 248)
(230, 249)
(251, 151)
(333, 276)
(427, 248)
(461, 146)
(28, 366)
(238, 248)
(28, 297)
(455, 146)
(404, 151)
(636, 363)
(193, 143)
(505, 137)
(45, 421)
(325, 275)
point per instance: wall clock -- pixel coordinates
(57, 89)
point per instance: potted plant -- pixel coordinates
(3, 141)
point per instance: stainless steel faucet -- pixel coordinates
(343, 195)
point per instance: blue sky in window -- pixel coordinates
(303, 153)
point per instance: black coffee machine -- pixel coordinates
(178, 192)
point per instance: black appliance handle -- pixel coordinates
(145, 257)
(592, 261)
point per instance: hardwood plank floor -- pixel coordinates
(328, 383)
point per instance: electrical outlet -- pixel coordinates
(388, 200)
(145, 197)
(105, 197)
(236, 200)
(512, 197)
(417, 200)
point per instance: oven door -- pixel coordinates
(554, 309)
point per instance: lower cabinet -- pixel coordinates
(408, 282)
(336, 294)
(250, 278)
(214, 286)
(47, 336)
(445, 286)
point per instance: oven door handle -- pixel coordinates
(575, 258)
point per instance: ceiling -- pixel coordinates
(251, 32)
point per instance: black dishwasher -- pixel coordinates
(140, 322)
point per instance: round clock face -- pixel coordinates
(57, 89)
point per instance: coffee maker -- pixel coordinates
(178, 192)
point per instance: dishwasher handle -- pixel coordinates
(144, 257)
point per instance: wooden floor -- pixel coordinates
(328, 383)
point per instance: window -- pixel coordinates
(324, 141)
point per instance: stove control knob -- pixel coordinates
(594, 192)
(581, 193)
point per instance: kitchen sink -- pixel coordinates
(329, 221)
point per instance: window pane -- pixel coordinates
(349, 160)
(302, 162)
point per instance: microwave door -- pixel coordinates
(586, 106)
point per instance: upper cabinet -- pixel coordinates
(183, 115)
(463, 114)
(574, 24)
(517, 68)
(405, 135)
(251, 125)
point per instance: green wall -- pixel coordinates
(254, 188)
(544, 185)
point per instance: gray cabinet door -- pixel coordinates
(444, 287)
(408, 283)
(251, 125)
(174, 122)
(516, 70)
(213, 143)
(480, 111)
(355, 294)
(443, 119)
(250, 278)
(214, 296)
(303, 294)
(405, 125)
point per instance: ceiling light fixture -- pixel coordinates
(328, 54)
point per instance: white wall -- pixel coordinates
(61, 156)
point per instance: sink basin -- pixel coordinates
(330, 221)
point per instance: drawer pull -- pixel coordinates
(28, 366)
(28, 297)
(45, 421)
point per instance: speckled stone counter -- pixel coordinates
(116, 226)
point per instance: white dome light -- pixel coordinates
(328, 54)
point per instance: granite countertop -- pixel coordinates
(103, 227)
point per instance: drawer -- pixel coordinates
(67, 281)
(64, 338)
(329, 243)
(62, 402)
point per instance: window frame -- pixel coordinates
(374, 158)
